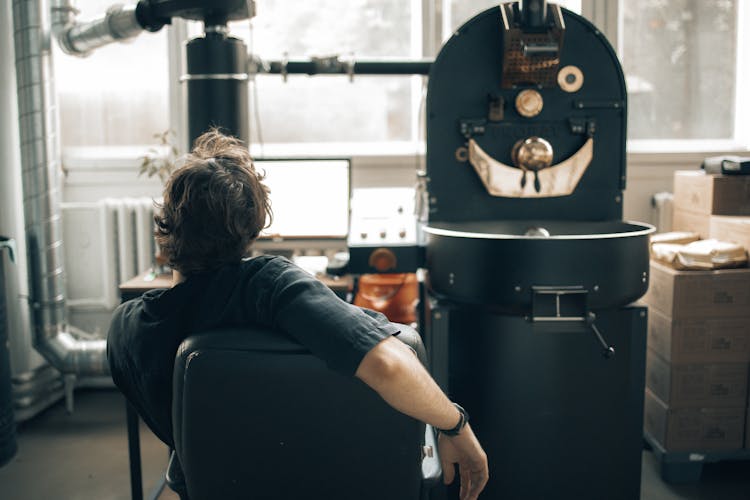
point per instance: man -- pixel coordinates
(215, 205)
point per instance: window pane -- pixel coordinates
(680, 60)
(330, 108)
(462, 10)
(322, 27)
(116, 96)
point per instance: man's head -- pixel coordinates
(215, 205)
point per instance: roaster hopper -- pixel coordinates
(530, 265)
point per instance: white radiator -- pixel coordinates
(662, 211)
(106, 243)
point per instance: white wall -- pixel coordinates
(651, 173)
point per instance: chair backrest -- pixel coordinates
(256, 416)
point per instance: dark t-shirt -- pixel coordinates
(268, 291)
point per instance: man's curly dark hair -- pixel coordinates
(215, 205)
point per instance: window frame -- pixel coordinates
(428, 19)
(605, 14)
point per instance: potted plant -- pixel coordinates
(160, 160)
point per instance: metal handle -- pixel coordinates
(608, 351)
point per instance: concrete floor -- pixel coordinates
(84, 456)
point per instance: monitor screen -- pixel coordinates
(309, 198)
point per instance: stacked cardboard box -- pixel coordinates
(699, 326)
(698, 358)
(699, 196)
(735, 229)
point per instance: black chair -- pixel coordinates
(256, 416)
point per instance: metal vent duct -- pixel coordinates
(40, 163)
(79, 39)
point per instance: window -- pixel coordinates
(683, 61)
(457, 12)
(118, 95)
(680, 58)
(330, 109)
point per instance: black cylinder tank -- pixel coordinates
(217, 86)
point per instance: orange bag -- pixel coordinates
(395, 295)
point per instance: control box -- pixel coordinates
(383, 232)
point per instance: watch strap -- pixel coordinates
(462, 421)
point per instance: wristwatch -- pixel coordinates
(462, 421)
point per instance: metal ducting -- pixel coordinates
(36, 23)
(40, 163)
(117, 24)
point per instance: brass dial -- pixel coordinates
(529, 103)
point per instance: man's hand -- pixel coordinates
(394, 372)
(465, 451)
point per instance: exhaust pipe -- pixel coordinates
(533, 13)
(40, 164)
(79, 39)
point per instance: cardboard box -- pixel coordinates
(723, 293)
(693, 429)
(732, 229)
(685, 220)
(696, 191)
(714, 385)
(703, 340)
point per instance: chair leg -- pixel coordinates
(134, 451)
(175, 478)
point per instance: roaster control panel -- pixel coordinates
(383, 231)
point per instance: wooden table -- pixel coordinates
(134, 288)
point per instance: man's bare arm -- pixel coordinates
(394, 372)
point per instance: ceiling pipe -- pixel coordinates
(119, 23)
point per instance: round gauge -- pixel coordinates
(570, 78)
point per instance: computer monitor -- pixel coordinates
(309, 198)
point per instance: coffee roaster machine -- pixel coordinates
(530, 269)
